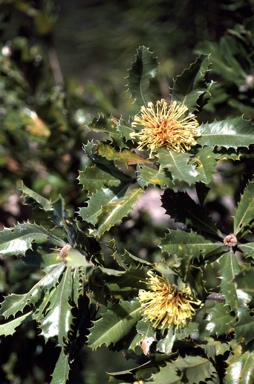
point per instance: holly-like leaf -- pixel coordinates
(94, 178)
(17, 240)
(150, 176)
(229, 268)
(230, 133)
(244, 326)
(9, 328)
(240, 367)
(218, 320)
(108, 128)
(177, 165)
(183, 209)
(189, 369)
(191, 85)
(244, 216)
(125, 130)
(125, 156)
(143, 69)
(205, 161)
(58, 318)
(61, 370)
(190, 244)
(55, 210)
(15, 303)
(114, 324)
(108, 206)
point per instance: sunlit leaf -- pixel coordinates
(58, 319)
(205, 161)
(9, 328)
(177, 165)
(229, 268)
(108, 206)
(230, 133)
(17, 240)
(240, 369)
(218, 319)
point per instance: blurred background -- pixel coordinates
(63, 62)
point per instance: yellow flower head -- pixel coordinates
(166, 125)
(164, 305)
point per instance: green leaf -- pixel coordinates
(125, 156)
(240, 369)
(190, 244)
(108, 206)
(58, 319)
(218, 320)
(125, 130)
(94, 178)
(143, 69)
(55, 210)
(244, 281)
(188, 369)
(14, 303)
(9, 328)
(61, 370)
(150, 176)
(183, 209)
(205, 161)
(168, 374)
(108, 128)
(17, 240)
(223, 58)
(244, 216)
(191, 85)
(177, 165)
(245, 326)
(114, 324)
(165, 345)
(229, 268)
(230, 133)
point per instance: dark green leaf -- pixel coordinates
(244, 216)
(143, 69)
(191, 84)
(183, 209)
(218, 320)
(107, 127)
(114, 324)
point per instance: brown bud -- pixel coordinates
(230, 240)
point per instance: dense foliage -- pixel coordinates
(183, 311)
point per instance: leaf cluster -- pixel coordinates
(79, 299)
